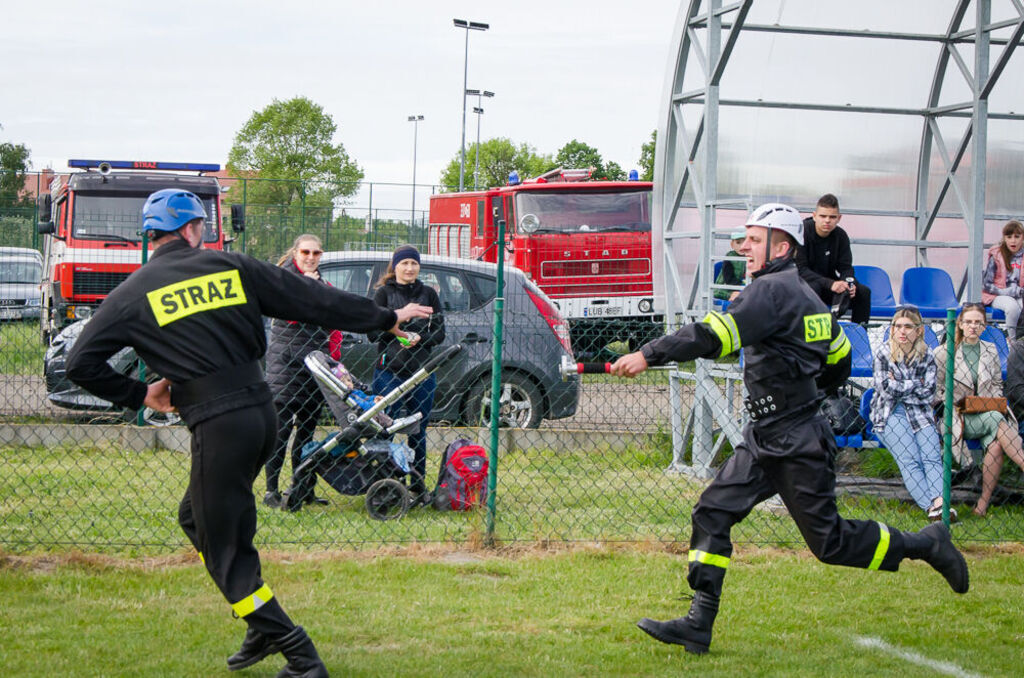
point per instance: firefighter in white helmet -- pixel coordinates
(792, 348)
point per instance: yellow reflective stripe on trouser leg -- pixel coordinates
(709, 558)
(253, 602)
(201, 559)
(724, 328)
(838, 349)
(882, 548)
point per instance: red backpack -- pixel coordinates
(462, 483)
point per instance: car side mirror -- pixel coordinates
(238, 218)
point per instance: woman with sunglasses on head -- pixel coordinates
(296, 396)
(901, 409)
(976, 371)
(1001, 281)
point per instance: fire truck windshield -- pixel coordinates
(584, 211)
(119, 217)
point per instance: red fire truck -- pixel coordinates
(92, 223)
(587, 244)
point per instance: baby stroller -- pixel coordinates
(361, 458)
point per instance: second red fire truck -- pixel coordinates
(586, 244)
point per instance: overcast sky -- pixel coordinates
(175, 81)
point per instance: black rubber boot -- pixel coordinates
(255, 647)
(933, 545)
(303, 660)
(693, 631)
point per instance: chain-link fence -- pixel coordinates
(579, 457)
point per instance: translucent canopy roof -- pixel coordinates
(886, 104)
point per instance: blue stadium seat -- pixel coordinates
(996, 336)
(883, 303)
(930, 289)
(865, 414)
(860, 349)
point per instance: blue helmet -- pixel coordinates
(170, 209)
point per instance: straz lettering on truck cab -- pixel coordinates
(196, 295)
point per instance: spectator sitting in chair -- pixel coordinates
(734, 267)
(1001, 281)
(976, 371)
(901, 410)
(825, 261)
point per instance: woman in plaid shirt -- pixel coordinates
(901, 409)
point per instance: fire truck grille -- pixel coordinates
(87, 283)
(601, 267)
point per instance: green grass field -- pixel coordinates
(434, 611)
(21, 349)
(101, 498)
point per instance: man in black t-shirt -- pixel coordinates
(825, 261)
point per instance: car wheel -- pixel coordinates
(154, 418)
(520, 404)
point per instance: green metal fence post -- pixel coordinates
(499, 319)
(245, 210)
(947, 442)
(139, 420)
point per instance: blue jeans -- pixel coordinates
(420, 399)
(917, 454)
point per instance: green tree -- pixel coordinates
(498, 157)
(613, 172)
(579, 155)
(647, 158)
(14, 162)
(290, 146)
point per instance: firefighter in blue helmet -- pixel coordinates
(792, 348)
(195, 317)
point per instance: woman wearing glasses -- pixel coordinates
(976, 371)
(296, 396)
(901, 410)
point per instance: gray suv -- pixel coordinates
(535, 338)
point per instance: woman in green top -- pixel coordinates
(977, 372)
(734, 267)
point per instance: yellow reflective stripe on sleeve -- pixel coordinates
(724, 328)
(882, 548)
(839, 348)
(818, 327)
(250, 604)
(709, 558)
(195, 295)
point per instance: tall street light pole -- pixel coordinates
(478, 109)
(469, 26)
(415, 120)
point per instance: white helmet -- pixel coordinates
(782, 217)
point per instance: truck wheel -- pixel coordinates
(520, 405)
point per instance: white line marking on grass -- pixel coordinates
(913, 657)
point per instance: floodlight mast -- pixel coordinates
(468, 26)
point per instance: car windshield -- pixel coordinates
(562, 212)
(119, 217)
(18, 272)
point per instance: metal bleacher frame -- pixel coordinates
(687, 164)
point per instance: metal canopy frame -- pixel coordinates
(687, 159)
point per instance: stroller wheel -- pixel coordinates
(387, 499)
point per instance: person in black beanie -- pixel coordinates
(825, 261)
(399, 360)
